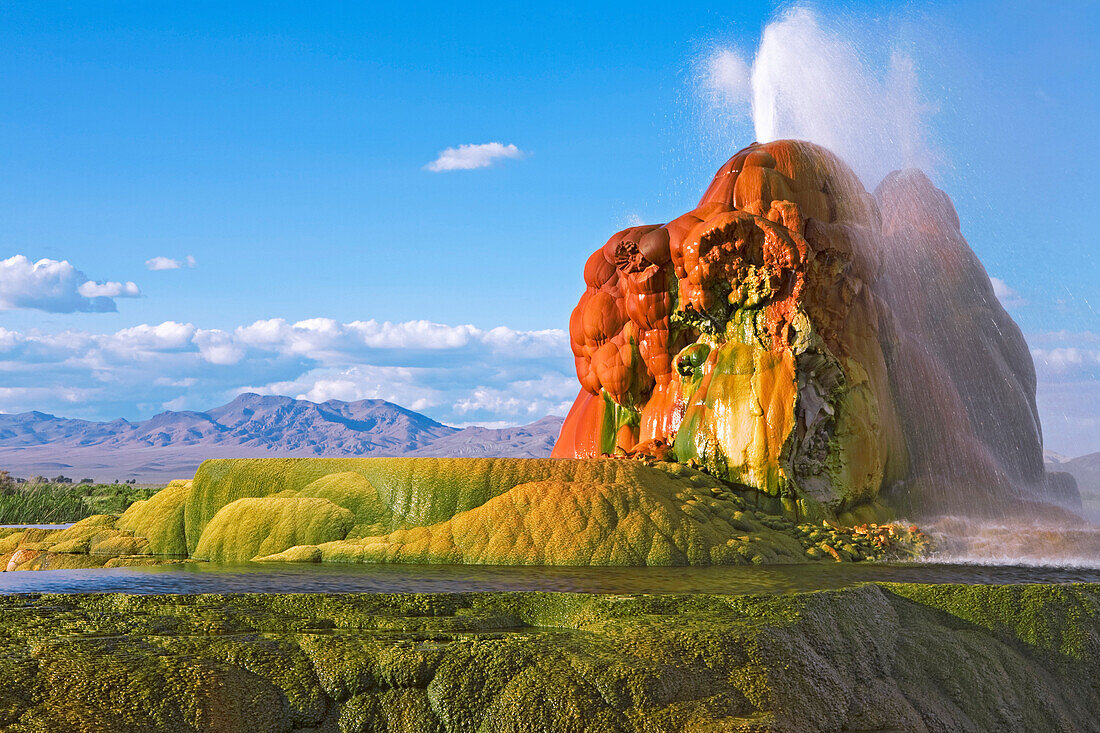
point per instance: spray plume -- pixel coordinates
(975, 440)
(812, 81)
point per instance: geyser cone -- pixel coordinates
(959, 365)
(796, 336)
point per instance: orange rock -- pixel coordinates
(788, 336)
(691, 328)
(20, 557)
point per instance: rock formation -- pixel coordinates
(487, 511)
(960, 369)
(798, 336)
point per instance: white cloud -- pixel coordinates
(399, 384)
(218, 347)
(1001, 289)
(1009, 298)
(109, 289)
(458, 373)
(533, 343)
(167, 382)
(56, 286)
(335, 389)
(413, 334)
(469, 157)
(167, 336)
(180, 403)
(162, 263)
(167, 263)
(1067, 370)
(1064, 359)
(528, 399)
(492, 424)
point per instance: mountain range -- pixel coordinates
(172, 444)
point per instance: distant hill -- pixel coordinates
(172, 444)
(1086, 470)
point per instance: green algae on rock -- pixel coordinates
(246, 528)
(160, 518)
(873, 657)
(453, 510)
(493, 511)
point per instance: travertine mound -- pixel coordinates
(245, 528)
(657, 521)
(431, 510)
(960, 369)
(798, 336)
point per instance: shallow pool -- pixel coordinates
(66, 525)
(268, 578)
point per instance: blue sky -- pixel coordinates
(285, 148)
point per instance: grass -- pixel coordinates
(58, 503)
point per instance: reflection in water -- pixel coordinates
(264, 578)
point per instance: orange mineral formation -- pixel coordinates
(757, 335)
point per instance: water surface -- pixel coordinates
(66, 525)
(308, 578)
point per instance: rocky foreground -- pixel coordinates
(886, 657)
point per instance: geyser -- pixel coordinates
(859, 97)
(799, 336)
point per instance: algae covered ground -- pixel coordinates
(462, 511)
(887, 657)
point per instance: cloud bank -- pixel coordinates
(469, 157)
(459, 374)
(1067, 367)
(456, 374)
(56, 286)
